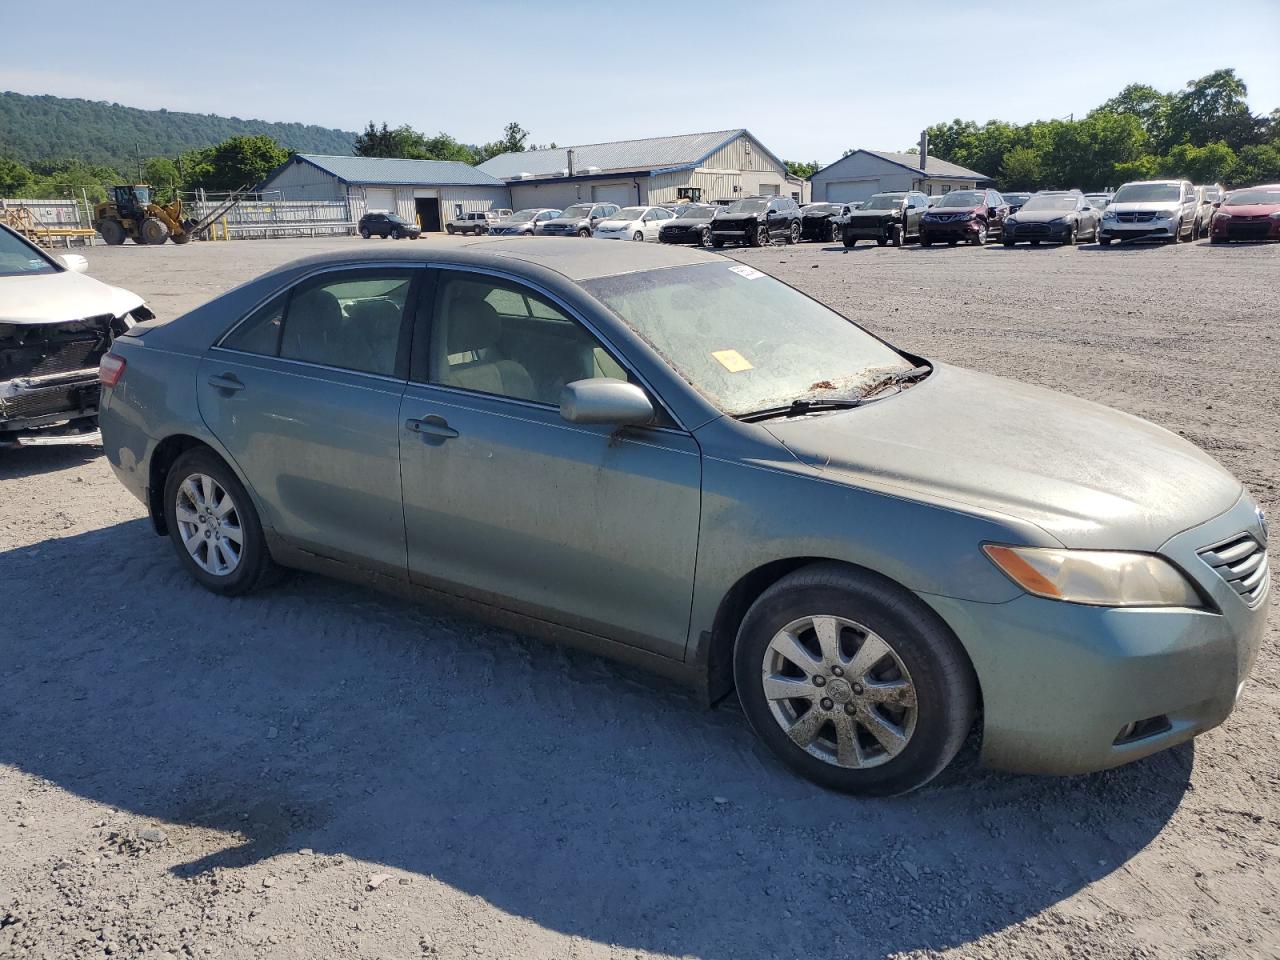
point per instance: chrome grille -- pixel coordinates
(1242, 563)
(1139, 217)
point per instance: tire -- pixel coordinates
(153, 230)
(181, 238)
(921, 724)
(760, 238)
(448, 228)
(850, 243)
(1104, 241)
(112, 232)
(925, 242)
(1070, 239)
(1035, 243)
(253, 566)
(980, 238)
(793, 235)
(395, 235)
(834, 233)
(899, 237)
(717, 242)
(1216, 240)
(638, 236)
(364, 232)
(882, 242)
(704, 238)
(584, 233)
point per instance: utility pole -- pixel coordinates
(137, 148)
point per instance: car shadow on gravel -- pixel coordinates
(591, 799)
(28, 461)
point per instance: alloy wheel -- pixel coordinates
(839, 691)
(209, 524)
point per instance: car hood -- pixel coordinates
(1042, 216)
(566, 222)
(737, 217)
(1169, 206)
(1087, 475)
(511, 223)
(616, 224)
(870, 214)
(951, 210)
(1249, 209)
(688, 222)
(59, 297)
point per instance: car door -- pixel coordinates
(653, 222)
(1088, 219)
(304, 395)
(508, 503)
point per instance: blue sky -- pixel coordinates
(809, 79)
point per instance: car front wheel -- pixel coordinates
(853, 682)
(214, 526)
(364, 232)
(794, 235)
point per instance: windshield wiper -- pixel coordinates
(803, 406)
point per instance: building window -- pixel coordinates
(691, 194)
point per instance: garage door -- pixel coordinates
(768, 189)
(848, 191)
(378, 198)
(623, 194)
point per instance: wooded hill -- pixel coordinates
(39, 129)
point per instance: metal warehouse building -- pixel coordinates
(721, 165)
(864, 172)
(422, 191)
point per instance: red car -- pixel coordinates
(972, 216)
(1249, 214)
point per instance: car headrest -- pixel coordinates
(474, 325)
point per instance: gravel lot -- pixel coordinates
(321, 771)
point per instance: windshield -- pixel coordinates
(525, 214)
(395, 219)
(699, 213)
(578, 211)
(18, 258)
(746, 341)
(1145, 192)
(884, 201)
(748, 206)
(822, 208)
(1254, 195)
(963, 198)
(629, 213)
(1016, 198)
(1049, 203)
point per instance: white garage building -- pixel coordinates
(719, 165)
(864, 172)
(426, 192)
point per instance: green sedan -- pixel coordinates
(681, 462)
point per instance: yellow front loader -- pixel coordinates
(131, 213)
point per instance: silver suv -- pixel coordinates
(1153, 210)
(476, 222)
(577, 220)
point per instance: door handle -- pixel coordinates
(433, 430)
(226, 381)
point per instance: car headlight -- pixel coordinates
(1275, 215)
(1104, 578)
(1108, 215)
(1227, 216)
(1058, 220)
(1010, 221)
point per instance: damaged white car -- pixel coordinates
(55, 325)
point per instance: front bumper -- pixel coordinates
(1139, 230)
(950, 230)
(867, 230)
(681, 235)
(815, 229)
(1255, 229)
(1059, 681)
(612, 234)
(557, 231)
(37, 403)
(1022, 232)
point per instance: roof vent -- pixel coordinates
(564, 171)
(524, 175)
(590, 169)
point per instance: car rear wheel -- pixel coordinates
(364, 232)
(853, 682)
(704, 237)
(214, 526)
(638, 236)
(793, 236)
(850, 242)
(448, 228)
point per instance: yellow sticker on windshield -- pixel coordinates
(732, 360)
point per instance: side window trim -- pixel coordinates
(407, 321)
(420, 367)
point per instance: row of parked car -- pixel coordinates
(1169, 210)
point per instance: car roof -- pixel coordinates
(573, 258)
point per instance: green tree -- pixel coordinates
(1146, 167)
(1149, 105)
(1254, 165)
(513, 140)
(1213, 109)
(234, 163)
(1212, 163)
(804, 171)
(1020, 169)
(162, 173)
(16, 180)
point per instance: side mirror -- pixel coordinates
(1217, 203)
(74, 262)
(601, 400)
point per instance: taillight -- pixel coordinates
(110, 370)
